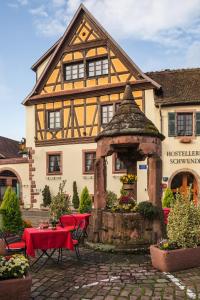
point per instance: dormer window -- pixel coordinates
(97, 67)
(74, 71)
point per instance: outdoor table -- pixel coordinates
(75, 219)
(47, 239)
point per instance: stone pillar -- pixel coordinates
(155, 180)
(100, 183)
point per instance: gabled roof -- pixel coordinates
(129, 120)
(179, 87)
(8, 148)
(56, 51)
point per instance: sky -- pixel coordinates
(156, 34)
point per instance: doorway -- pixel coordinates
(182, 182)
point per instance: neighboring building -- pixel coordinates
(13, 168)
(80, 82)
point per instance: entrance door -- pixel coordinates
(182, 182)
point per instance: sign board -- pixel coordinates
(142, 167)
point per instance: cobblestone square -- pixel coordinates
(111, 276)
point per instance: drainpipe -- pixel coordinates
(161, 123)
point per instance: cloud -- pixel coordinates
(23, 2)
(39, 11)
(193, 55)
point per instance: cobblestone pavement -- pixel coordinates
(112, 276)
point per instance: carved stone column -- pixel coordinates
(155, 180)
(100, 180)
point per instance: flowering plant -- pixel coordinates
(126, 203)
(13, 266)
(167, 245)
(128, 179)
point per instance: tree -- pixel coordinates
(168, 199)
(85, 201)
(46, 194)
(60, 203)
(75, 199)
(12, 218)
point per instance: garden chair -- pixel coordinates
(78, 235)
(13, 243)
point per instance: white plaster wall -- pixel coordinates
(174, 144)
(23, 171)
(41, 67)
(72, 171)
(30, 126)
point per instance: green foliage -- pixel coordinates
(60, 203)
(6, 198)
(75, 199)
(148, 210)
(12, 219)
(183, 226)
(111, 199)
(85, 201)
(123, 192)
(46, 194)
(168, 199)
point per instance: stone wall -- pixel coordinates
(124, 230)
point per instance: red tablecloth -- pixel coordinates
(47, 239)
(75, 219)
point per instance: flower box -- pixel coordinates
(174, 260)
(17, 288)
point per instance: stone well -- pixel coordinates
(123, 230)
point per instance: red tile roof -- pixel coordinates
(8, 148)
(179, 87)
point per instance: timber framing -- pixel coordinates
(64, 45)
(90, 91)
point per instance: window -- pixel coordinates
(118, 165)
(88, 161)
(97, 67)
(106, 113)
(54, 163)
(74, 71)
(183, 123)
(54, 119)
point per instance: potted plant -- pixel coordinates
(85, 201)
(128, 181)
(15, 281)
(182, 249)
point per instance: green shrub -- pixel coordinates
(60, 203)
(111, 199)
(168, 198)
(183, 226)
(148, 210)
(75, 199)
(85, 201)
(6, 198)
(46, 194)
(12, 218)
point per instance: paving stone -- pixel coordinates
(136, 279)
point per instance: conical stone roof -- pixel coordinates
(129, 120)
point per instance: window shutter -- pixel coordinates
(171, 124)
(197, 131)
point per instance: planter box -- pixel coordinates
(174, 260)
(19, 288)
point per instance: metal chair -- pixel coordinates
(14, 243)
(78, 236)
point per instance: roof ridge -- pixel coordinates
(174, 70)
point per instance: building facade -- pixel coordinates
(80, 82)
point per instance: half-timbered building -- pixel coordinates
(80, 82)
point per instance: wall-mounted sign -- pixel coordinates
(164, 185)
(142, 167)
(184, 157)
(165, 179)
